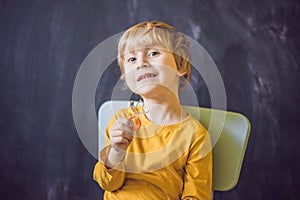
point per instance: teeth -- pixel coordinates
(147, 76)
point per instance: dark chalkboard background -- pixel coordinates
(255, 45)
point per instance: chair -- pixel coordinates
(230, 141)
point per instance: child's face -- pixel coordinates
(150, 71)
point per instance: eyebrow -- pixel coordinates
(147, 49)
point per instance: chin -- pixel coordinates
(146, 90)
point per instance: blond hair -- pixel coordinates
(155, 33)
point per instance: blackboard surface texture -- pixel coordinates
(255, 45)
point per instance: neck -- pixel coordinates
(164, 110)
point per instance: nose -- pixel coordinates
(143, 63)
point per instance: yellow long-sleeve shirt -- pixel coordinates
(162, 162)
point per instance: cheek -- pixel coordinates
(129, 79)
(170, 77)
(127, 72)
(169, 60)
(169, 71)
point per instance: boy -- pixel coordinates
(169, 156)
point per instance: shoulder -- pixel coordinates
(196, 125)
(201, 138)
(125, 112)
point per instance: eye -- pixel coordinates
(153, 53)
(131, 59)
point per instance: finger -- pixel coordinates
(120, 141)
(122, 134)
(127, 136)
(124, 128)
(119, 147)
(124, 121)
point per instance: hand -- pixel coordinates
(121, 134)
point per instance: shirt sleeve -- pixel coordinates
(108, 179)
(198, 170)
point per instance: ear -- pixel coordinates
(181, 66)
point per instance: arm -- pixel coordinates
(198, 170)
(107, 178)
(109, 171)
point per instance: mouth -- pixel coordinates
(146, 76)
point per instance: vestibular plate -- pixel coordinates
(136, 121)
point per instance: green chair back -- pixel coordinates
(229, 132)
